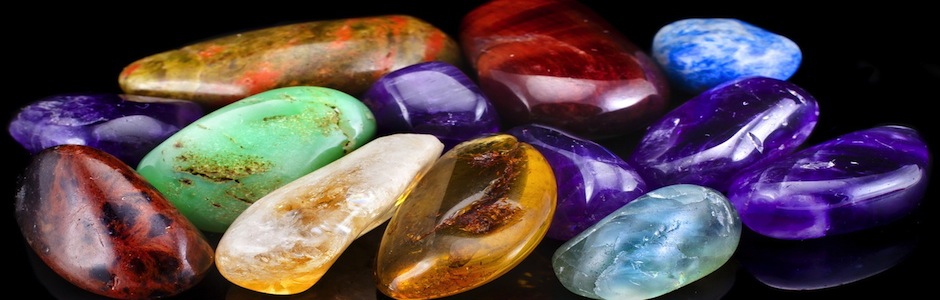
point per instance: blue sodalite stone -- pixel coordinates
(698, 54)
(661, 241)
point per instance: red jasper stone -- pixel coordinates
(94, 221)
(558, 63)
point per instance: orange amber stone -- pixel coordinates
(477, 213)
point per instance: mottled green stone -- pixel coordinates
(214, 168)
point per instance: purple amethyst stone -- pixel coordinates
(724, 129)
(126, 126)
(592, 182)
(434, 98)
(860, 180)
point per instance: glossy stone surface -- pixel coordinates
(860, 180)
(477, 213)
(217, 166)
(664, 240)
(434, 98)
(592, 181)
(560, 64)
(102, 227)
(344, 54)
(126, 126)
(284, 242)
(710, 137)
(700, 53)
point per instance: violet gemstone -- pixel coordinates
(860, 180)
(591, 181)
(710, 137)
(433, 98)
(126, 126)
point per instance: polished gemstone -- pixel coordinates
(343, 54)
(860, 180)
(664, 240)
(284, 242)
(560, 64)
(126, 126)
(710, 137)
(592, 181)
(102, 227)
(218, 165)
(700, 53)
(477, 213)
(434, 98)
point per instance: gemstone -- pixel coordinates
(700, 53)
(661, 241)
(707, 139)
(102, 227)
(592, 181)
(344, 54)
(284, 242)
(215, 167)
(860, 180)
(476, 214)
(558, 63)
(126, 126)
(434, 98)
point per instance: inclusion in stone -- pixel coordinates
(218, 165)
(434, 98)
(664, 240)
(710, 137)
(284, 242)
(102, 227)
(701, 53)
(857, 181)
(592, 181)
(344, 54)
(478, 212)
(126, 126)
(560, 64)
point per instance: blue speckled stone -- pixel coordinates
(698, 54)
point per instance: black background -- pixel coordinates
(866, 66)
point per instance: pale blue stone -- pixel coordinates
(663, 240)
(701, 53)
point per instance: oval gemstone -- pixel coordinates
(217, 166)
(478, 212)
(102, 227)
(707, 139)
(661, 241)
(558, 63)
(860, 180)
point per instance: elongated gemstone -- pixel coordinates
(343, 54)
(664, 240)
(477, 213)
(217, 166)
(558, 63)
(102, 227)
(860, 180)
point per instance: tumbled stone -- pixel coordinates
(344, 54)
(710, 137)
(476, 214)
(700, 53)
(102, 227)
(218, 165)
(860, 180)
(558, 63)
(284, 242)
(592, 181)
(664, 240)
(126, 126)
(434, 98)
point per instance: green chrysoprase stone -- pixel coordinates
(214, 168)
